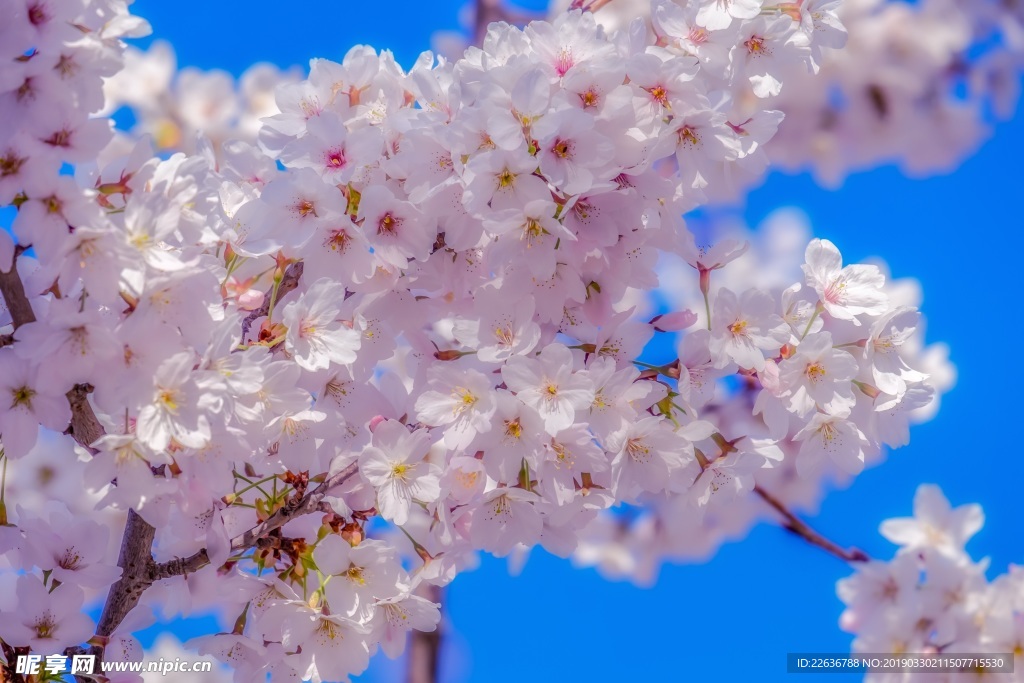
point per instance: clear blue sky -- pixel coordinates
(735, 618)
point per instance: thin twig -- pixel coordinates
(296, 508)
(139, 571)
(797, 526)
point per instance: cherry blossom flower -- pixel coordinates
(316, 336)
(819, 375)
(45, 620)
(178, 407)
(498, 332)
(935, 524)
(548, 385)
(715, 15)
(73, 550)
(27, 400)
(831, 438)
(845, 293)
(394, 465)
(394, 617)
(504, 518)
(434, 283)
(743, 328)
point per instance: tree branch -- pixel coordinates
(291, 510)
(423, 660)
(289, 282)
(135, 557)
(14, 295)
(797, 526)
(135, 562)
(85, 427)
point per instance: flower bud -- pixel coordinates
(673, 322)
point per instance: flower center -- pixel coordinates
(738, 328)
(22, 396)
(687, 136)
(60, 138)
(562, 148)
(815, 372)
(513, 428)
(388, 224)
(336, 158)
(659, 94)
(304, 207)
(564, 61)
(504, 335)
(638, 450)
(168, 398)
(338, 241)
(464, 400)
(698, 35)
(506, 179)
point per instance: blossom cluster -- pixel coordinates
(915, 84)
(417, 286)
(177, 107)
(786, 408)
(932, 597)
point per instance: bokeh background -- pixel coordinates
(735, 617)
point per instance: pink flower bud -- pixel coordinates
(673, 322)
(375, 421)
(250, 300)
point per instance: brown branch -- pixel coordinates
(423, 660)
(138, 570)
(289, 282)
(136, 544)
(797, 526)
(135, 562)
(85, 427)
(292, 510)
(14, 295)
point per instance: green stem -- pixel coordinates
(254, 484)
(814, 316)
(273, 299)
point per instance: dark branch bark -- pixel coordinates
(292, 510)
(135, 558)
(423, 660)
(14, 295)
(797, 526)
(85, 427)
(135, 562)
(289, 282)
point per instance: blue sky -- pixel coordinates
(735, 618)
